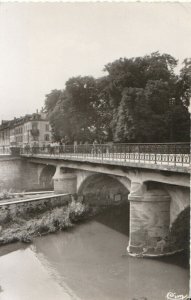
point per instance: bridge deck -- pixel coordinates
(169, 162)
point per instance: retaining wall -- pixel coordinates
(26, 208)
(18, 174)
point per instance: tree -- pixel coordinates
(80, 104)
(72, 111)
(140, 118)
(141, 91)
(51, 100)
(140, 99)
(184, 84)
(126, 116)
(104, 111)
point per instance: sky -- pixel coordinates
(42, 45)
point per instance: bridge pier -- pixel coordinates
(64, 181)
(149, 222)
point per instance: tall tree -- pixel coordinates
(141, 91)
(184, 85)
(60, 119)
(81, 98)
(140, 99)
(51, 100)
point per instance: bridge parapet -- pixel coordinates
(10, 151)
(170, 156)
(4, 150)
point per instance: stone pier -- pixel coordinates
(149, 222)
(64, 181)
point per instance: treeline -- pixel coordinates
(140, 99)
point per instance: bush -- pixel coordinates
(58, 218)
(5, 195)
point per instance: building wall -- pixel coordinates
(5, 137)
(32, 132)
(12, 137)
(18, 132)
(42, 128)
(45, 135)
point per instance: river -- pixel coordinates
(89, 262)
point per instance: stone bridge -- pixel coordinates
(157, 186)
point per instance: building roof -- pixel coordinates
(8, 124)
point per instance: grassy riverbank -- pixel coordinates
(26, 227)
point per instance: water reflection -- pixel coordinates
(116, 217)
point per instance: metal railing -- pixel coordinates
(4, 150)
(175, 154)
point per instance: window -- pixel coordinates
(47, 127)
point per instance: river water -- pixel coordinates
(89, 262)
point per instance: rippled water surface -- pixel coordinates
(88, 262)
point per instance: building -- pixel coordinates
(5, 135)
(33, 130)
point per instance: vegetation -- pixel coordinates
(140, 99)
(4, 195)
(25, 227)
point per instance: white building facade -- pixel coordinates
(32, 130)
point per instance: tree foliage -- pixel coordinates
(185, 82)
(139, 99)
(146, 100)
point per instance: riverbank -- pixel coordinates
(27, 226)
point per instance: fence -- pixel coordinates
(160, 153)
(4, 150)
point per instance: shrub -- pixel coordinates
(58, 218)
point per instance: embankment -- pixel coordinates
(22, 220)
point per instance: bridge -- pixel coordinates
(153, 178)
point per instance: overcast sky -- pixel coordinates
(44, 44)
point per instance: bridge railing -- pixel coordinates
(5, 150)
(169, 153)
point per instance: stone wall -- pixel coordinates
(64, 182)
(16, 209)
(18, 174)
(11, 173)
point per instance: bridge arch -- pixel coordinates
(46, 175)
(178, 210)
(180, 229)
(103, 189)
(180, 197)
